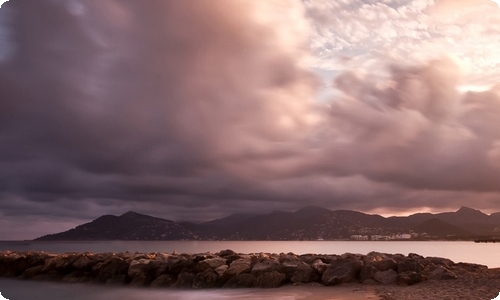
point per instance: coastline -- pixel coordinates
(379, 275)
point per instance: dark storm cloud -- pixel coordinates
(169, 102)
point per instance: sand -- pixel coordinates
(482, 284)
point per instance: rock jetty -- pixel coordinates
(227, 269)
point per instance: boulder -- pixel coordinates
(138, 267)
(304, 274)
(206, 279)
(439, 261)
(409, 278)
(32, 272)
(111, 267)
(319, 266)
(185, 280)
(244, 280)
(271, 279)
(220, 270)
(176, 264)
(212, 263)
(341, 272)
(163, 280)
(288, 267)
(82, 262)
(239, 266)
(264, 266)
(367, 272)
(409, 265)
(385, 264)
(386, 277)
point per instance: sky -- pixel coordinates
(194, 110)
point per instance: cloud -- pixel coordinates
(192, 110)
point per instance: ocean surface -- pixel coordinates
(486, 254)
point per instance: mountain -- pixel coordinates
(308, 223)
(129, 226)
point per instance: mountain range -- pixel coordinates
(308, 223)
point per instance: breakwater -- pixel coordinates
(228, 269)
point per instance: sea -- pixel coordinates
(458, 251)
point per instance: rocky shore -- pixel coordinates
(227, 269)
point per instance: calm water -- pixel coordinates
(486, 254)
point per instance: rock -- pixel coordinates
(176, 264)
(220, 270)
(415, 256)
(212, 263)
(113, 266)
(437, 272)
(385, 264)
(185, 280)
(138, 267)
(264, 266)
(226, 252)
(271, 279)
(206, 279)
(304, 274)
(367, 272)
(409, 264)
(288, 267)
(239, 266)
(32, 272)
(245, 280)
(163, 280)
(409, 278)
(386, 277)
(82, 262)
(341, 272)
(439, 261)
(319, 266)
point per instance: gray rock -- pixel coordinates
(269, 280)
(212, 263)
(342, 272)
(409, 265)
(82, 262)
(185, 280)
(304, 274)
(239, 266)
(206, 279)
(220, 270)
(264, 266)
(138, 267)
(386, 277)
(163, 280)
(113, 266)
(409, 278)
(245, 280)
(367, 272)
(288, 267)
(319, 266)
(32, 272)
(385, 264)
